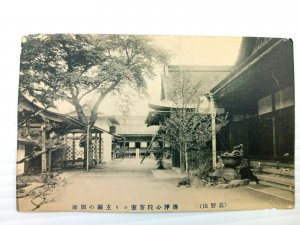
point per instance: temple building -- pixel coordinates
(259, 97)
(136, 136)
(205, 76)
(257, 94)
(49, 140)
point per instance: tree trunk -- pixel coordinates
(94, 111)
(182, 158)
(92, 120)
(79, 110)
(87, 147)
(187, 169)
(84, 156)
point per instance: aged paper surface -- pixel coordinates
(118, 123)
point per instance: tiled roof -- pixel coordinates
(206, 76)
(134, 125)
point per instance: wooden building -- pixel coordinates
(105, 123)
(205, 76)
(259, 97)
(49, 140)
(136, 136)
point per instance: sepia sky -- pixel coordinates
(195, 50)
(184, 50)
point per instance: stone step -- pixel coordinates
(271, 164)
(278, 186)
(283, 172)
(277, 181)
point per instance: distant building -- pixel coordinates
(136, 136)
(106, 123)
(103, 122)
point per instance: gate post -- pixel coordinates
(44, 155)
(87, 147)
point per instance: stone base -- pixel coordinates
(231, 174)
(218, 173)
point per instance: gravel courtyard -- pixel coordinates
(128, 186)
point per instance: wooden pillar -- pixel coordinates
(49, 160)
(99, 147)
(231, 143)
(213, 132)
(87, 147)
(274, 127)
(73, 147)
(44, 156)
(123, 149)
(96, 150)
(246, 136)
(231, 129)
(65, 151)
(49, 155)
(274, 135)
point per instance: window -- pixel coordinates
(112, 129)
(131, 144)
(155, 144)
(167, 144)
(143, 144)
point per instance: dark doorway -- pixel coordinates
(138, 144)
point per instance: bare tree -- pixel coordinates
(186, 128)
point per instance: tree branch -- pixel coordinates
(36, 113)
(86, 93)
(76, 90)
(78, 107)
(100, 99)
(52, 149)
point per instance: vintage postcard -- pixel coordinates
(128, 123)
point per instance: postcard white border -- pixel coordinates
(238, 18)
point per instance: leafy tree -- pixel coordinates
(78, 68)
(186, 129)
